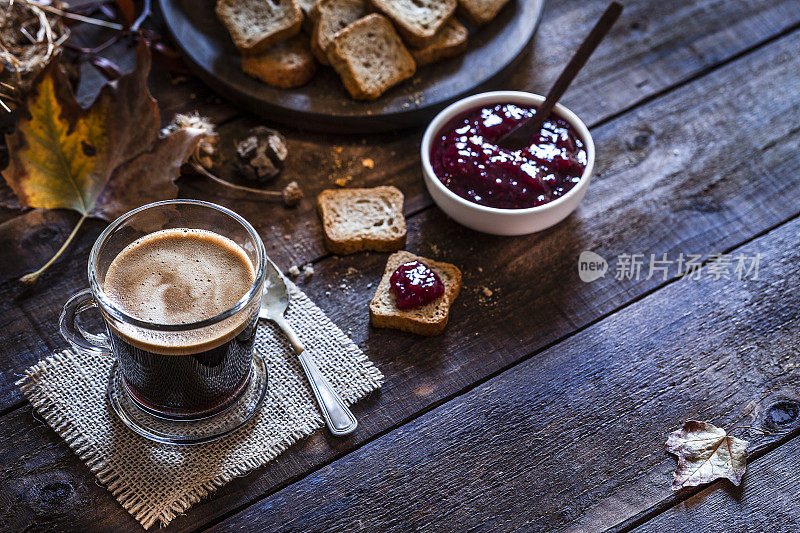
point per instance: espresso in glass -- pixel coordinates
(182, 276)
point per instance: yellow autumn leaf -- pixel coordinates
(100, 161)
(63, 164)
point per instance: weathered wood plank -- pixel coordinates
(571, 438)
(644, 202)
(42, 490)
(654, 46)
(29, 316)
(20, 339)
(766, 500)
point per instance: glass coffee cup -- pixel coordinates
(174, 379)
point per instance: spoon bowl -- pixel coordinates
(274, 302)
(275, 299)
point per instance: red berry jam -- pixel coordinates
(414, 285)
(466, 159)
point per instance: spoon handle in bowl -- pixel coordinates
(340, 420)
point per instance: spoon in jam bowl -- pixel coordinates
(274, 302)
(520, 137)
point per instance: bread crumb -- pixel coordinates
(480, 269)
(367, 162)
(351, 271)
(369, 285)
(435, 249)
(343, 286)
(327, 293)
(485, 295)
(308, 271)
(341, 182)
(294, 271)
(287, 237)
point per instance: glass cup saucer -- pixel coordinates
(194, 431)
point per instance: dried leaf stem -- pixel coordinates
(28, 279)
(202, 170)
(289, 196)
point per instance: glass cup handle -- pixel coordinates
(74, 333)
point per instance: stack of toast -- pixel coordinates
(372, 44)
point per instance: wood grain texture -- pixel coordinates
(574, 437)
(666, 209)
(646, 199)
(766, 500)
(29, 315)
(42, 491)
(318, 160)
(655, 46)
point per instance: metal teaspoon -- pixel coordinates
(274, 302)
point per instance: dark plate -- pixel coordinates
(323, 104)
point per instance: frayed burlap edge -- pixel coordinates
(126, 495)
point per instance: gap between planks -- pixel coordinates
(625, 526)
(683, 495)
(634, 521)
(662, 506)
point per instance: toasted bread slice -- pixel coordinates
(449, 42)
(417, 20)
(362, 219)
(430, 319)
(285, 65)
(370, 57)
(331, 16)
(255, 25)
(480, 12)
(306, 8)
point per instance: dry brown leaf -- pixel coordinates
(101, 161)
(706, 453)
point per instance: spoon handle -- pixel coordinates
(599, 31)
(520, 137)
(340, 420)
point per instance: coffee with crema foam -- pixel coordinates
(181, 277)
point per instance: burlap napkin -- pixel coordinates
(69, 391)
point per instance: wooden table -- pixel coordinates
(546, 403)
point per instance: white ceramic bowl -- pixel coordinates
(491, 219)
